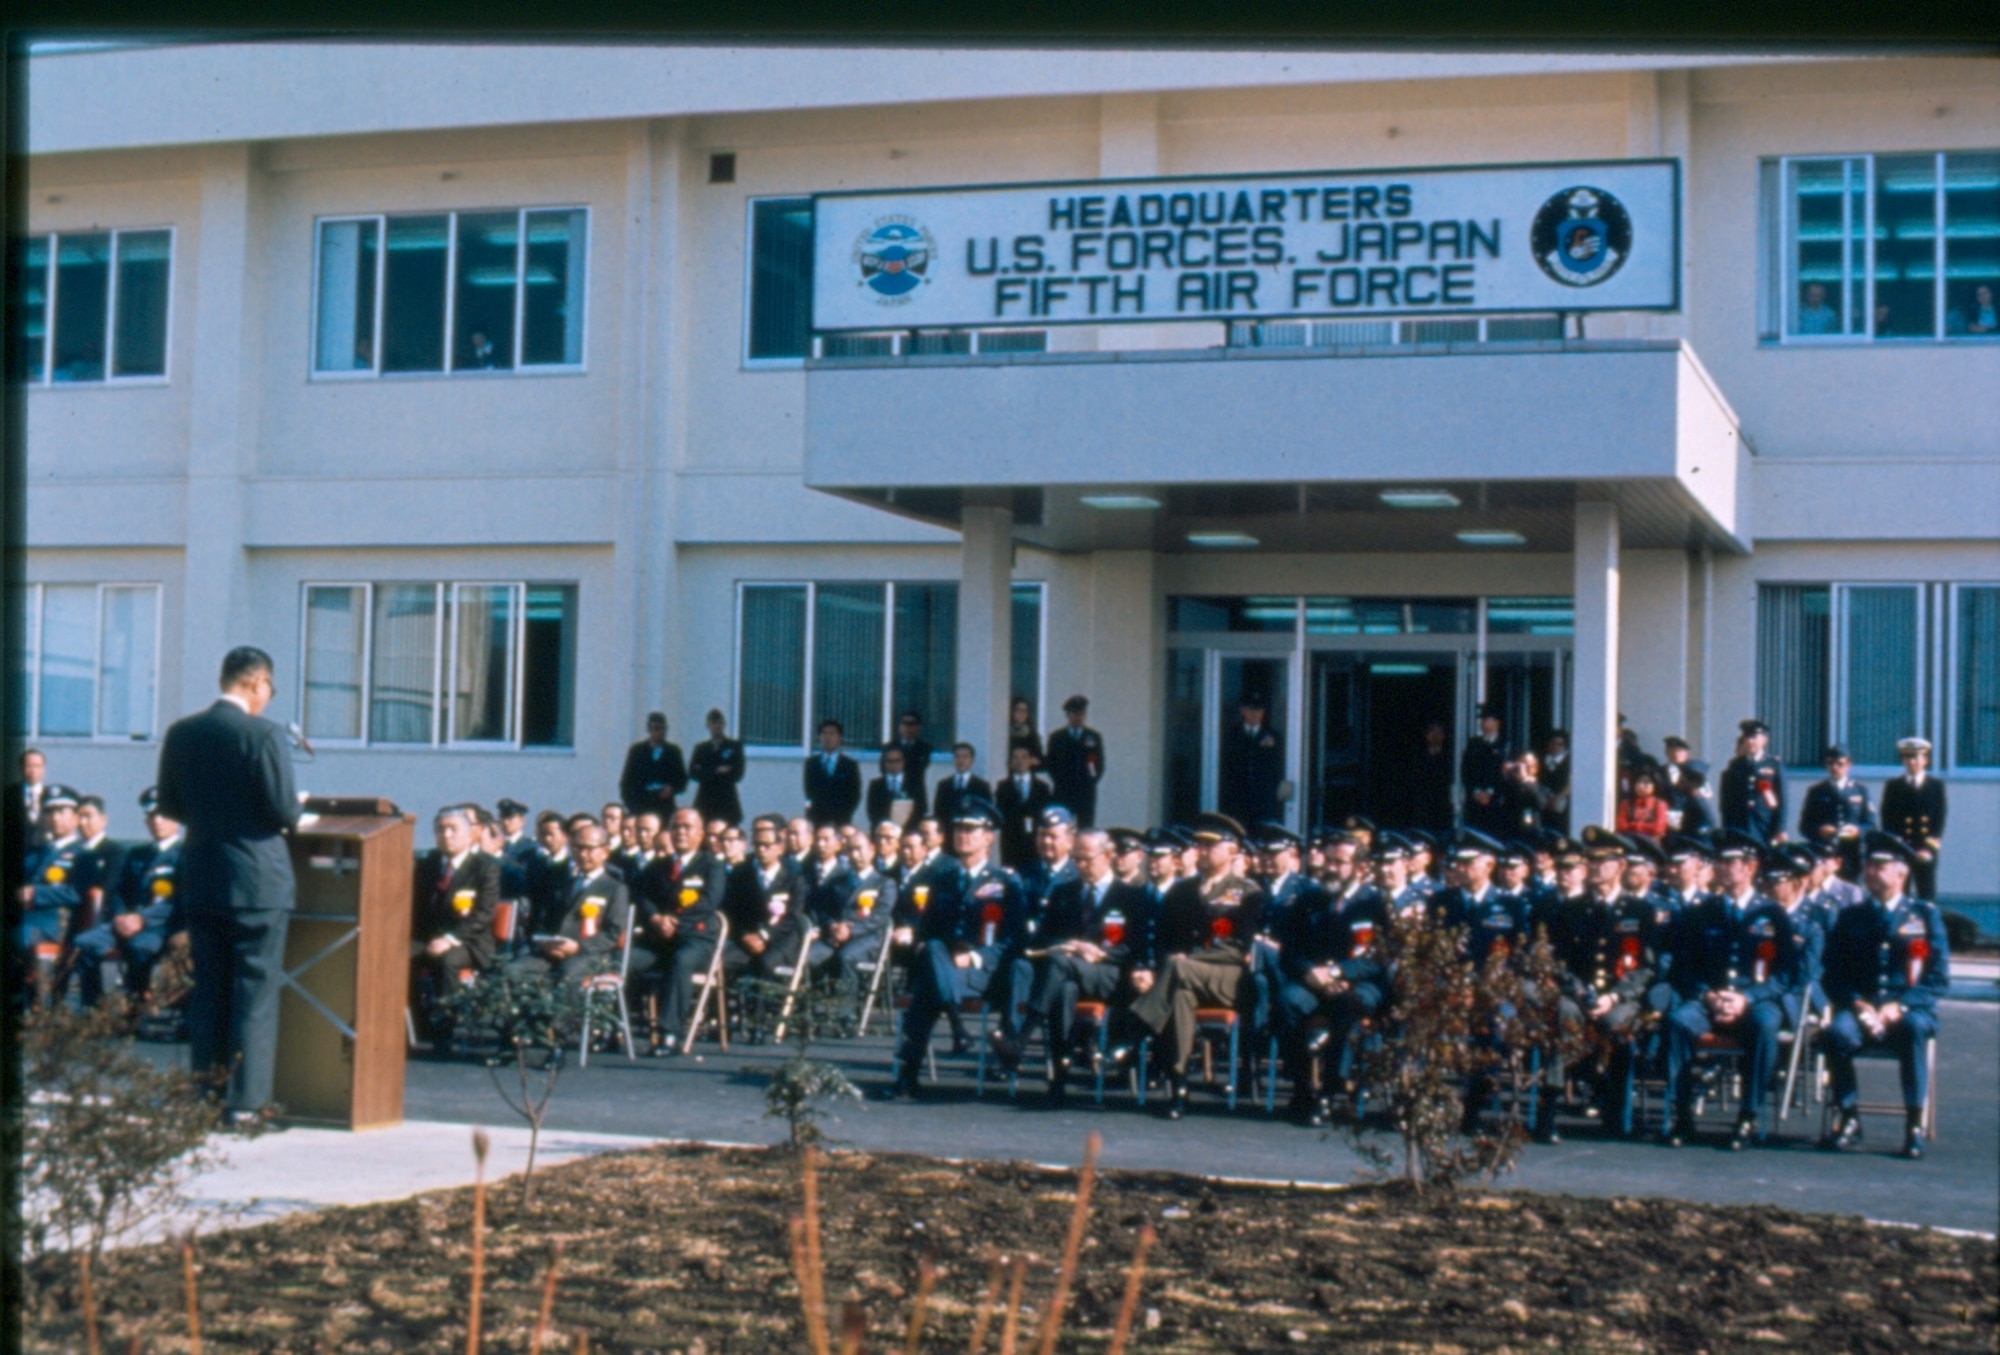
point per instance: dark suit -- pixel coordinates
(597, 913)
(717, 767)
(226, 776)
(1916, 815)
(652, 777)
(436, 913)
(881, 797)
(690, 892)
(24, 830)
(1018, 812)
(1074, 764)
(1481, 768)
(947, 797)
(832, 796)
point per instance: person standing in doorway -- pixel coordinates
(1253, 763)
(226, 776)
(1482, 772)
(1074, 762)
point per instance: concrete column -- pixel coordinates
(652, 394)
(985, 632)
(1124, 683)
(215, 610)
(1594, 737)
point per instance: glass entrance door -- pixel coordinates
(1366, 737)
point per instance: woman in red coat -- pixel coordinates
(1644, 811)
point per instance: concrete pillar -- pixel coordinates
(1594, 736)
(1125, 677)
(651, 423)
(215, 612)
(985, 632)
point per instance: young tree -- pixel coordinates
(522, 1013)
(801, 1085)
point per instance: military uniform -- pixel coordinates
(1882, 952)
(1753, 798)
(978, 913)
(1838, 812)
(1744, 946)
(1915, 813)
(145, 887)
(1608, 948)
(1074, 763)
(59, 874)
(1347, 934)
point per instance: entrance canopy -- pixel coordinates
(1359, 450)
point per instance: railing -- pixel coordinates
(923, 343)
(1379, 333)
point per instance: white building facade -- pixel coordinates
(482, 387)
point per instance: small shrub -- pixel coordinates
(801, 1086)
(522, 1012)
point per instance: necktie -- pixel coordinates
(895, 786)
(829, 764)
(961, 784)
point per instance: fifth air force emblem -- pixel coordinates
(1581, 236)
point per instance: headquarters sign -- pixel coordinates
(1580, 236)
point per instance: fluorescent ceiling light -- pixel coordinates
(1398, 669)
(1112, 503)
(1419, 498)
(1491, 538)
(1221, 540)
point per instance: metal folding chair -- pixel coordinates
(1219, 1021)
(710, 985)
(799, 968)
(1878, 1053)
(609, 984)
(876, 969)
(1811, 1022)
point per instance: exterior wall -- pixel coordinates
(1970, 863)
(667, 470)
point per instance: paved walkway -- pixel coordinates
(616, 1104)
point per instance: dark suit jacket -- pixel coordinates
(749, 904)
(879, 798)
(434, 914)
(946, 796)
(598, 938)
(226, 776)
(832, 799)
(691, 895)
(1018, 813)
(716, 769)
(21, 831)
(652, 783)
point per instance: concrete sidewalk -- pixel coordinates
(305, 1169)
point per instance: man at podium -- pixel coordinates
(226, 776)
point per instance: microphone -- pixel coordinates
(300, 744)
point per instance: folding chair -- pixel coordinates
(799, 968)
(875, 969)
(1098, 1015)
(710, 985)
(1878, 1053)
(504, 919)
(1219, 1021)
(609, 984)
(1811, 1022)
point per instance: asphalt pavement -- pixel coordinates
(717, 1097)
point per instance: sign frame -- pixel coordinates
(1674, 246)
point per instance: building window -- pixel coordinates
(859, 653)
(781, 279)
(1868, 664)
(89, 307)
(88, 664)
(1975, 685)
(1026, 673)
(451, 292)
(439, 664)
(1878, 248)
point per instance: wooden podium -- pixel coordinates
(347, 965)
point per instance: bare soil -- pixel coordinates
(686, 1249)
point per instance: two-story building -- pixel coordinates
(505, 393)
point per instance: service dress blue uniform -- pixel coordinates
(1880, 953)
(145, 886)
(1725, 944)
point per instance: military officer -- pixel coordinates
(1605, 939)
(1685, 783)
(1333, 978)
(1093, 931)
(1204, 951)
(1753, 786)
(138, 912)
(1788, 875)
(1074, 761)
(1482, 774)
(1392, 874)
(1731, 962)
(1913, 809)
(1252, 763)
(53, 877)
(1886, 966)
(1490, 918)
(975, 914)
(1836, 811)
(679, 900)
